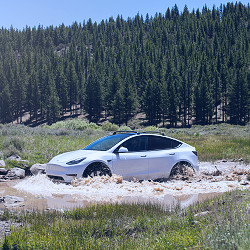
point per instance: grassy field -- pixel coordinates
(40, 144)
(219, 223)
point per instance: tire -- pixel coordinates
(96, 169)
(181, 169)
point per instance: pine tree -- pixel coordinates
(93, 99)
(5, 105)
(52, 103)
(129, 97)
(72, 87)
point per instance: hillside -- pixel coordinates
(178, 67)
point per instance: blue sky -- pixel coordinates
(20, 13)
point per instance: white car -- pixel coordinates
(127, 153)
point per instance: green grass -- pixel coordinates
(218, 147)
(40, 144)
(135, 226)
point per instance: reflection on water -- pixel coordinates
(66, 201)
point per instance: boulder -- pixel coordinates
(38, 169)
(2, 163)
(3, 171)
(16, 173)
(13, 199)
(14, 158)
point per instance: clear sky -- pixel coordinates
(20, 13)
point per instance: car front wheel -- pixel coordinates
(96, 169)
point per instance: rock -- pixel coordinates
(2, 163)
(38, 169)
(3, 171)
(12, 199)
(202, 214)
(16, 173)
(14, 205)
(14, 158)
(244, 183)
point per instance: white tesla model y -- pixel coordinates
(145, 155)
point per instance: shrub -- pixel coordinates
(151, 128)
(74, 124)
(11, 150)
(124, 128)
(15, 142)
(109, 126)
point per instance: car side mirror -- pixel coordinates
(122, 150)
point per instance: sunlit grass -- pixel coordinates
(218, 147)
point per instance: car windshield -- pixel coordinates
(107, 142)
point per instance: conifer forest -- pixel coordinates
(177, 68)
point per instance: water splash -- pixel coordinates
(229, 175)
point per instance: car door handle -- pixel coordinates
(172, 154)
(143, 156)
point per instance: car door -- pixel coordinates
(133, 163)
(161, 156)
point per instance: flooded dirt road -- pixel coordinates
(38, 192)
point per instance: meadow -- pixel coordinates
(40, 144)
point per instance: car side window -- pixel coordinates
(158, 143)
(135, 144)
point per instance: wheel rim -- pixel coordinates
(97, 170)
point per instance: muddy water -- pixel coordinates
(68, 201)
(39, 192)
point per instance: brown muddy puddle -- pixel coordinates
(67, 201)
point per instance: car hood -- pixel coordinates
(73, 155)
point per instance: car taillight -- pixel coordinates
(195, 152)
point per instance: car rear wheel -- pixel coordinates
(182, 169)
(96, 169)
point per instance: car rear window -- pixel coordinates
(158, 142)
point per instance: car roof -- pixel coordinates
(137, 133)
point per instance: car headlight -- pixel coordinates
(76, 161)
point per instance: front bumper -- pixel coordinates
(64, 174)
